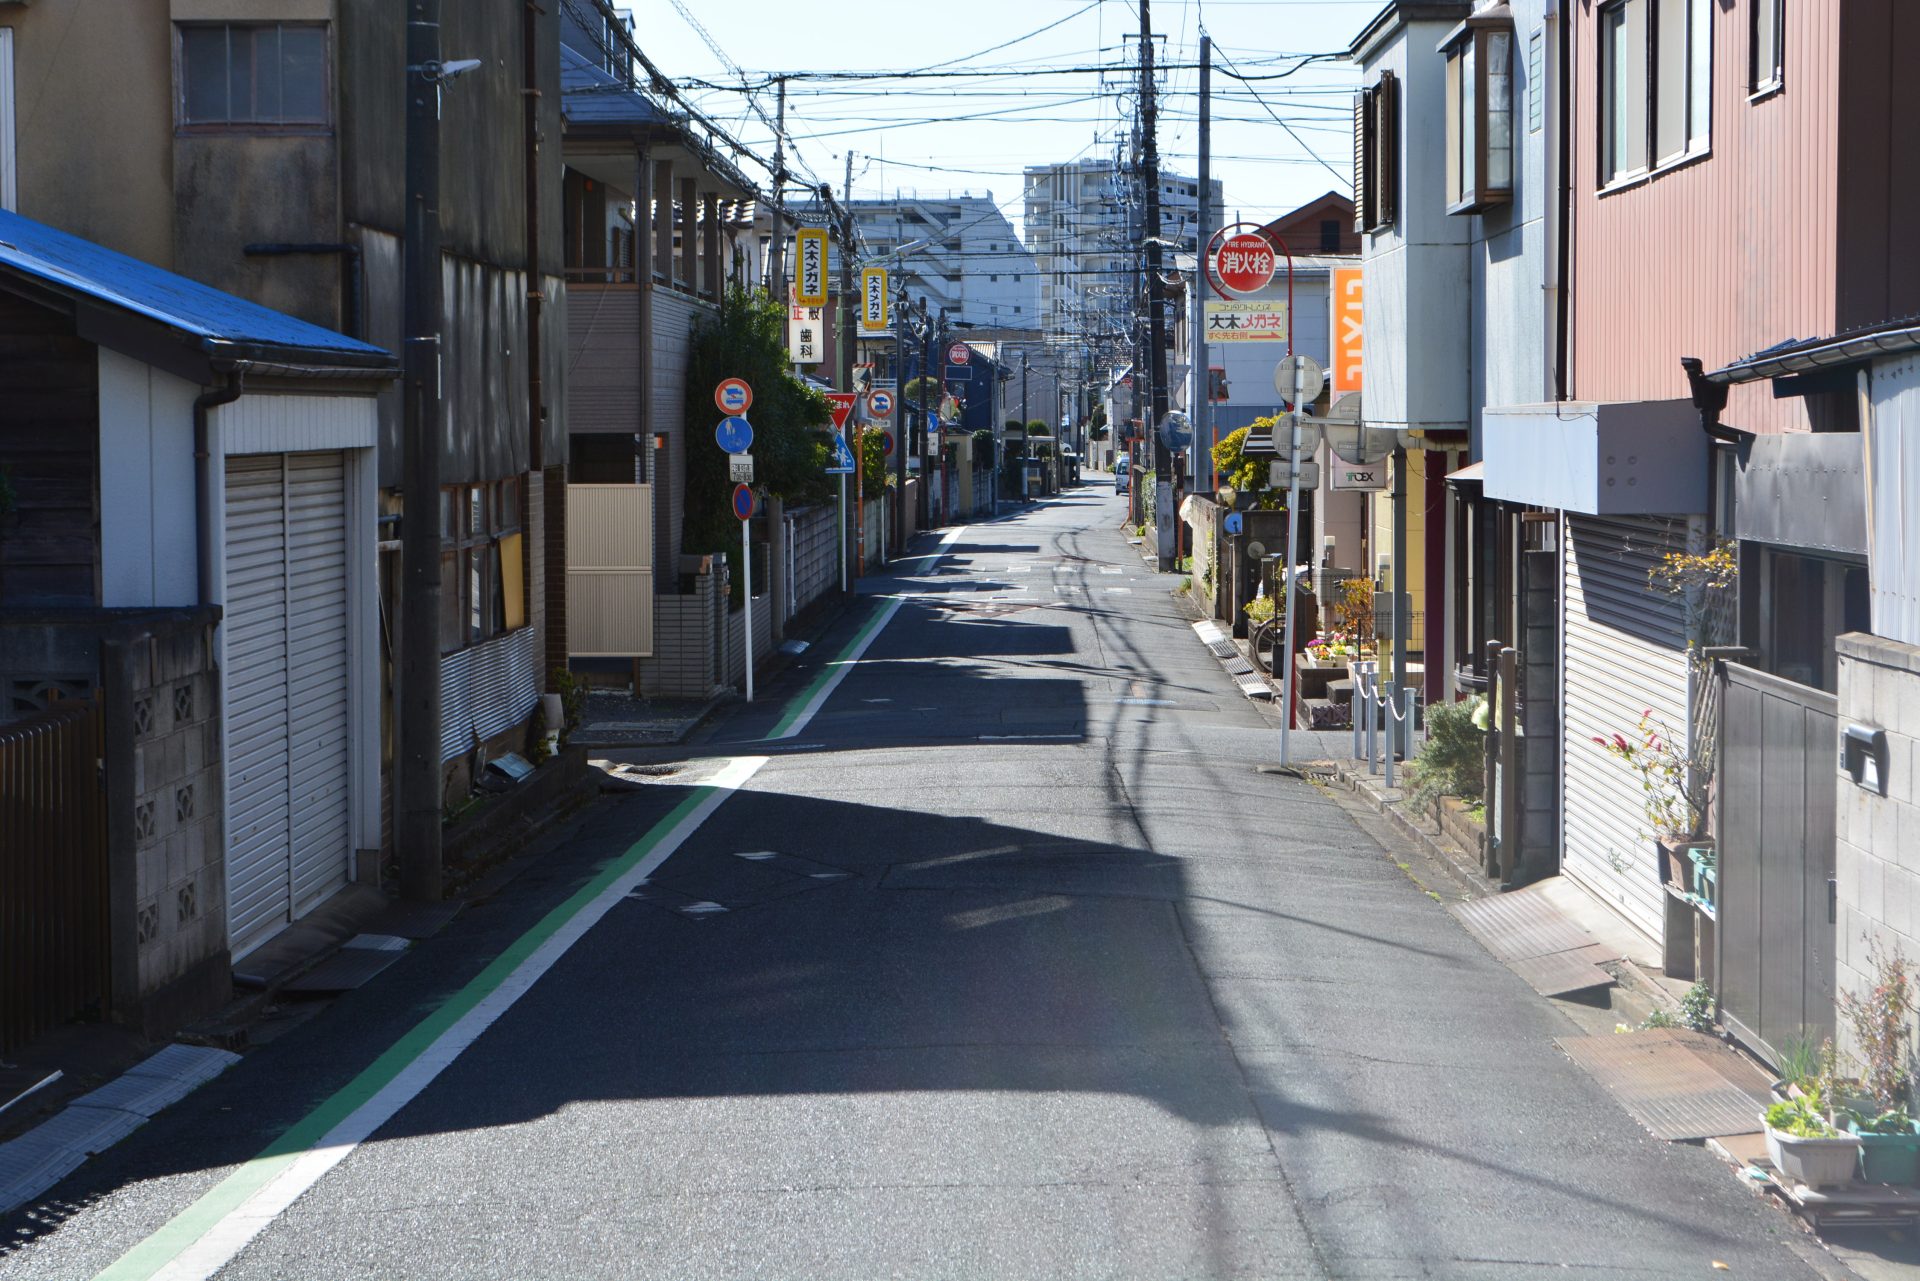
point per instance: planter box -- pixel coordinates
(1889, 1158)
(1819, 1163)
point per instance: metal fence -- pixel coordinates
(53, 870)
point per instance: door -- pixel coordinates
(287, 722)
(1774, 823)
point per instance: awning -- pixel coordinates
(1471, 474)
(1597, 458)
(135, 307)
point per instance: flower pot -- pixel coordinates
(1676, 869)
(1819, 1163)
(1889, 1158)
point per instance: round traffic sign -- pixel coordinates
(743, 501)
(959, 354)
(735, 435)
(733, 396)
(1176, 429)
(1244, 263)
(880, 403)
(1312, 378)
(886, 443)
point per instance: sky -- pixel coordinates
(1277, 143)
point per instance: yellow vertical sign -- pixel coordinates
(810, 252)
(873, 293)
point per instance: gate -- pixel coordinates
(53, 871)
(1774, 829)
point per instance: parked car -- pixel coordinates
(1121, 478)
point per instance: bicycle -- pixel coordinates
(1264, 640)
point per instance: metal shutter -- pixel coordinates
(287, 700)
(1625, 654)
(317, 667)
(259, 894)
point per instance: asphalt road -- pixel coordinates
(1023, 971)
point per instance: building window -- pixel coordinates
(1655, 81)
(1767, 62)
(1329, 235)
(481, 585)
(1376, 147)
(9, 194)
(270, 74)
(1480, 117)
(1536, 80)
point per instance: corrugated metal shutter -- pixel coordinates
(259, 893)
(487, 690)
(289, 836)
(321, 835)
(1625, 654)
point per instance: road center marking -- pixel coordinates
(207, 1235)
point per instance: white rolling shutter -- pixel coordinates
(289, 836)
(321, 835)
(1625, 654)
(259, 894)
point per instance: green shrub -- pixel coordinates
(1452, 762)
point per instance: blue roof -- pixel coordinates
(592, 95)
(215, 318)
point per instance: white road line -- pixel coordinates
(232, 1232)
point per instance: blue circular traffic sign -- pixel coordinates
(734, 434)
(886, 443)
(743, 501)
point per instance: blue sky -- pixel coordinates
(975, 133)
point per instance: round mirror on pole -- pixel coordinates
(1356, 445)
(1312, 378)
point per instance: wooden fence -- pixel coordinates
(53, 870)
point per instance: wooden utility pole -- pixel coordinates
(418, 778)
(1163, 514)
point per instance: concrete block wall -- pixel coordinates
(1877, 858)
(179, 839)
(682, 665)
(816, 558)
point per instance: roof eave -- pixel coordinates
(1826, 353)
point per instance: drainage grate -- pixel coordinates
(1673, 1082)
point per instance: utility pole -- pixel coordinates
(1163, 512)
(846, 354)
(418, 782)
(777, 246)
(926, 426)
(901, 329)
(1023, 388)
(1202, 238)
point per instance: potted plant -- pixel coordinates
(1668, 778)
(1889, 1138)
(1806, 1146)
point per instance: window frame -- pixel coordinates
(1757, 86)
(182, 124)
(1376, 134)
(475, 520)
(1696, 66)
(1470, 185)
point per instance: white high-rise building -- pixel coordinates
(1084, 223)
(959, 252)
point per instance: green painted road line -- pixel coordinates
(832, 673)
(205, 1236)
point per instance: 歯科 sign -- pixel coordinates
(806, 335)
(1244, 263)
(1349, 289)
(873, 298)
(1237, 320)
(810, 253)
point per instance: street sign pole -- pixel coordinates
(1288, 597)
(746, 582)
